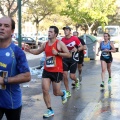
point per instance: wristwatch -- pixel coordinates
(58, 53)
(5, 80)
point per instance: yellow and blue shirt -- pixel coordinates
(13, 60)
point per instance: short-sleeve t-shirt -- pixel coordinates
(71, 42)
(12, 60)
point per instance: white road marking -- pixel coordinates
(87, 112)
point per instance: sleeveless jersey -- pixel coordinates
(103, 46)
(12, 60)
(53, 62)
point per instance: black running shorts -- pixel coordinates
(106, 60)
(69, 64)
(54, 76)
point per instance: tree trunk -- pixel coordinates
(37, 27)
(89, 30)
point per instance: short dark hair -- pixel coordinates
(56, 30)
(12, 24)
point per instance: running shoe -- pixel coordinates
(102, 84)
(48, 113)
(73, 84)
(77, 85)
(68, 93)
(64, 97)
(109, 80)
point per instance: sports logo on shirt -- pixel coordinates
(7, 54)
(76, 56)
(71, 44)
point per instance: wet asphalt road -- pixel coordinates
(86, 103)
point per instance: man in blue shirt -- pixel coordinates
(13, 62)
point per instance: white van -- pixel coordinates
(114, 32)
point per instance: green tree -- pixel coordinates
(38, 10)
(88, 12)
(10, 7)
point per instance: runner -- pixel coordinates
(14, 70)
(53, 68)
(106, 47)
(81, 57)
(70, 63)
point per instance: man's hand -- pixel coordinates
(74, 49)
(106, 50)
(27, 48)
(54, 51)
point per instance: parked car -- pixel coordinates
(16, 43)
(30, 41)
(43, 39)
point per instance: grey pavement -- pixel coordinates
(33, 60)
(30, 56)
(89, 102)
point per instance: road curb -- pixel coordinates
(35, 67)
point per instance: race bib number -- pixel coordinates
(51, 61)
(106, 55)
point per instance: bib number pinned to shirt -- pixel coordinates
(106, 55)
(51, 61)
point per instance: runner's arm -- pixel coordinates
(83, 43)
(65, 52)
(20, 78)
(84, 47)
(80, 47)
(113, 48)
(37, 51)
(98, 49)
(78, 43)
(22, 67)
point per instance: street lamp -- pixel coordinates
(19, 22)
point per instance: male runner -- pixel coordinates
(14, 70)
(55, 50)
(81, 56)
(70, 63)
